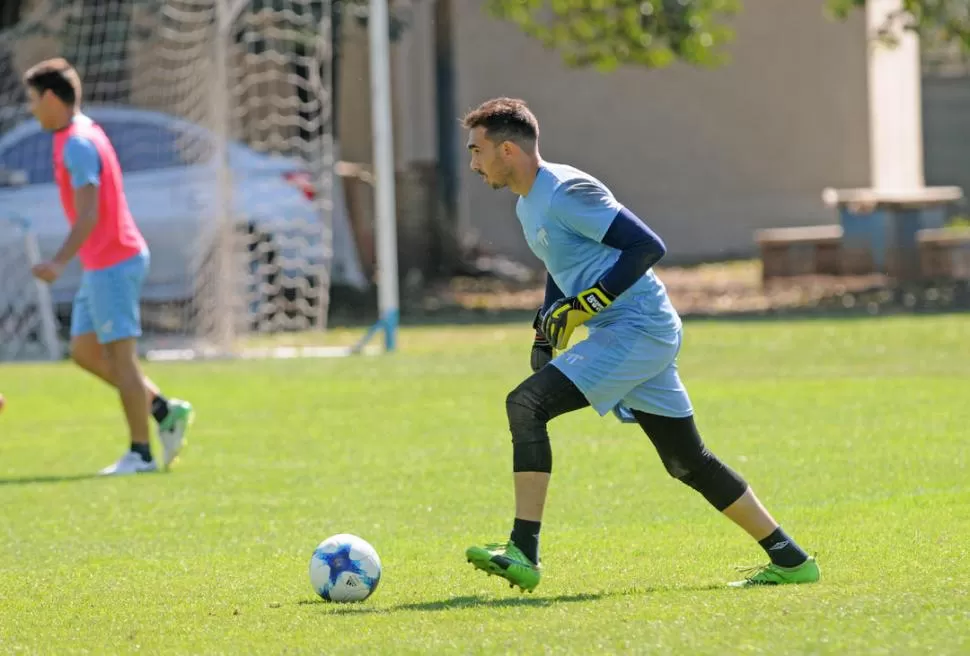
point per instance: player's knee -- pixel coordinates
(123, 358)
(78, 354)
(531, 451)
(523, 405)
(716, 482)
(532, 456)
(84, 354)
(685, 459)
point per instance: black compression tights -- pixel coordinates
(549, 393)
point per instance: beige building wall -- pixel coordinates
(706, 157)
(412, 88)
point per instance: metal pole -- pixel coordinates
(222, 287)
(323, 152)
(45, 307)
(386, 217)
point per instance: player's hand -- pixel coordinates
(541, 348)
(47, 271)
(568, 314)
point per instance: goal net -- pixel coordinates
(27, 320)
(221, 114)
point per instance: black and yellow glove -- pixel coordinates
(541, 348)
(568, 314)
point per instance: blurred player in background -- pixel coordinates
(599, 256)
(105, 318)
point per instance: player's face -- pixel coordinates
(41, 106)
(488, 159)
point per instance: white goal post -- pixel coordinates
(386, 218)
(222, 113)
(27, 320)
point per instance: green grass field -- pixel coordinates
(853, 432)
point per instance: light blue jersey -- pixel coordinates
(564, 217)
(629, 360)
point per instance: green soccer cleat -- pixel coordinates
(771, 574)
(171, 432)
(507, 561)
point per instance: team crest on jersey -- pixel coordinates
(573, 358)
(542, 237)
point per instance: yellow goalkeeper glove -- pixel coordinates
(568, 314)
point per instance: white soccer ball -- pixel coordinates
(345, 567)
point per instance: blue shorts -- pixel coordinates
(621, 366)
(107, 303)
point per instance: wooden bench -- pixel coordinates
(809, 250)
(867, 200)
(879, 226)
(944, 253)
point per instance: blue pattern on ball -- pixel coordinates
(339, 562)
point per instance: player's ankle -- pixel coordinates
(783, 550)
(143, 449)
(525, 536)
(159, 408)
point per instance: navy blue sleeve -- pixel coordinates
(640, 248)
(553, 293)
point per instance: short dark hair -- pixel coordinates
(56, 76)
(505, 119)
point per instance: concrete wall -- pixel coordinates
(706, 157)
(946, 130)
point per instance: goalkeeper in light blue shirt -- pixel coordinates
(599, 256)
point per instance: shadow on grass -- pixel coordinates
(29, 480)
(519, 601)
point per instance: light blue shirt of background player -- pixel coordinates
(584, 236)
(82, 161)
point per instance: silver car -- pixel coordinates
(170, 183)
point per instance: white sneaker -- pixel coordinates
(171, 432)
(130, 463)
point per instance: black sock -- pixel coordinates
(525, 535)
(782, 550)
(144, 450)
(159, 408)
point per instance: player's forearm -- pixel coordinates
(553, 293)
(640, 248)
(75, 239)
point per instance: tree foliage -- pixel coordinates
(938, 22)
(606, 34)
(609, 33)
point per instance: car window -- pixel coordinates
(147, 146)
(140, 147)
(32, 154)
